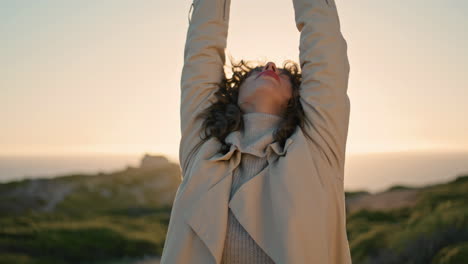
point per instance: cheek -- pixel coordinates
(245, 86)
(289, 92)
(242, 89)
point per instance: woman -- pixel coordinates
(259, 184)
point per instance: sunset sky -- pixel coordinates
(103, 76)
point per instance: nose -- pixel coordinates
(270, 66)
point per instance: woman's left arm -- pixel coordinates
(323, 55)
(204, 59)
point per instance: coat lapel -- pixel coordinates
(208, 216)
(276, 207)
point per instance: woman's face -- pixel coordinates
(267, 89)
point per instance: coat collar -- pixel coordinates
(212, 230)
(271, 148)
(256, 138)
(256, 134)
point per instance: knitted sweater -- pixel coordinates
(258, 131)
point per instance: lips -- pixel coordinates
(270, 73)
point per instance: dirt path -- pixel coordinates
(383, 201)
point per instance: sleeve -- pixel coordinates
(325, 71)
(204, 59)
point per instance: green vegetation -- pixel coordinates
(435, 230)
(114, 218)
(56, 238)
(401, 187)
(355, 193)
(91, 219)
(452, 254)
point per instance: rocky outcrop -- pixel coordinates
(153, 184)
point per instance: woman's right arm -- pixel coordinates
(204, 60)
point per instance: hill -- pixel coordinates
(88, 218)
(410, 225)
(123, 216)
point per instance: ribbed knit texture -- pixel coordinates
(258, 131)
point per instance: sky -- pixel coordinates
(103, 76)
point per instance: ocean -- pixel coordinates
(371, 172)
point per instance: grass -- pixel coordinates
(102, 222)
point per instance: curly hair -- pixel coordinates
(224, 115)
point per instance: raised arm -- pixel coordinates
(204, 59)
(325, 71)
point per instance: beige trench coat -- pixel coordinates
(295, 208)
